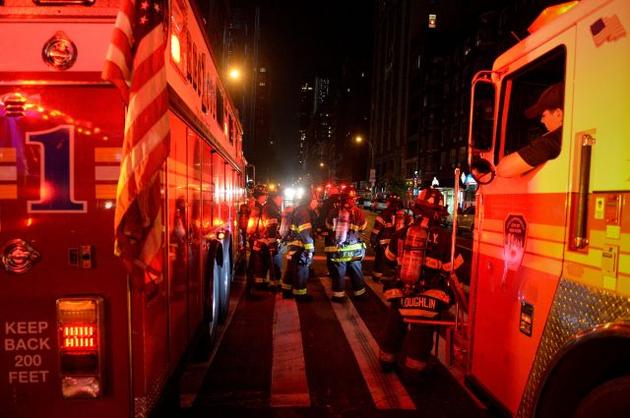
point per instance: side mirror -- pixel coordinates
(483, 171)
(482, 108)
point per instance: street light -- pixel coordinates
(359, 140)
(321, 164)
(235, 74)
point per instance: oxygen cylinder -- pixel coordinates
(413, 251)
(341, 226)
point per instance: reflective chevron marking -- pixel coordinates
(385, 388)
(320, 257)
(289, 386)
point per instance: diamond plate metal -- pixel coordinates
(143, 405)
(576, 308)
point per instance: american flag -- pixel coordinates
(135, 63)
(607, 29)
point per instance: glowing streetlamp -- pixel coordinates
(234, 74)
(359, 140)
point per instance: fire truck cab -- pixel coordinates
(550, 291)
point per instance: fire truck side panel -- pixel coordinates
(194, 145)
(59, 164)
(603, 113)
(178, 239)
(520, 246)
(595, 285)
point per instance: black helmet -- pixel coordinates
(429, 204)
(393, 201)
(348, 194)
(259, 190)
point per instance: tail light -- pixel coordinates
(81, 340)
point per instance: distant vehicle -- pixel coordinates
(379, 205)
(364, 202)
(466, 219)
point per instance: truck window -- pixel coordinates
(520, 91)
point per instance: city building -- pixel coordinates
(426, 53)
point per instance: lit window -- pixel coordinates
(432, 21)
(263, 70)
(262, 84)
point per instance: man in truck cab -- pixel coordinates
(545, 147)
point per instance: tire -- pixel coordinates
(609, 400)
(212, 285)
(225, 282)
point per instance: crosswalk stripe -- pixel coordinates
(377, 288)
(385, 388)
(289, 386)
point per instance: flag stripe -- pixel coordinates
(131, 180)
(120, 52)
(144, 98)
(135, 64)
(146, 47)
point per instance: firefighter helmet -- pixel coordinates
(393, 201)
(348, 194)
(259, 190)
(430, 204)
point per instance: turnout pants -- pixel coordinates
(411, 344)
(379, 262)
(267, 260)
(338, 271)
(297, 272)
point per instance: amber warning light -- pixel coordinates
(80, 322)
(78, 337)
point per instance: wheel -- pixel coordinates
(212, 285)
(210, 309)
(609, 400)
(225, 282)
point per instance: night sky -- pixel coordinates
(302, 39)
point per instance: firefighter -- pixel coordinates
(392, 219)
(285, 237)
(254, 233)
(301, 248)
(270, 260)
(244, 211)
(346, 221)
(422, 254)
(329, 204)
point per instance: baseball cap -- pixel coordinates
(551, 98)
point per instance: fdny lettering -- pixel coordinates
(419, 302)
(433, 237)
(28, 376)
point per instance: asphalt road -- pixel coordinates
(279, 358)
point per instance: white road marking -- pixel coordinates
(385, 388)
(289, 385)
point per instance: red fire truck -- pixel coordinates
(547, 332)
(76, 338)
